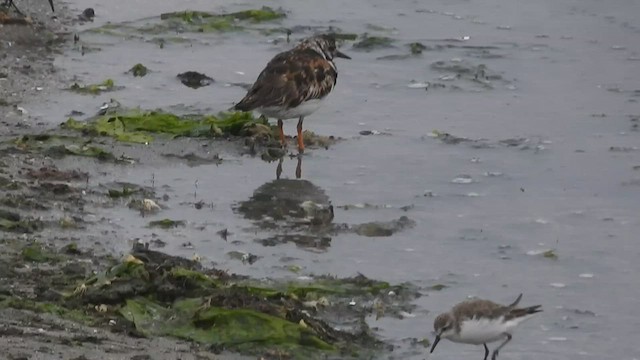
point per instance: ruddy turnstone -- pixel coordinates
(480, 322)
(295, 82)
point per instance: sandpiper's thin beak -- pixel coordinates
(342, 55)
(51, 3)
(435, 342)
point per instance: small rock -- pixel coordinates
(194, 79)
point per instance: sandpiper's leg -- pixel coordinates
(279, 169)
(486, 351)
(300, 139)
(282, 141)
(497, 350)
(299, 167)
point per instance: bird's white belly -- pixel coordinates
(304, 109)
(482, 331)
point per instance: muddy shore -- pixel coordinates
(27, 75)
(58, 257)
(469, 149)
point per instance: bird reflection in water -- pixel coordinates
(298, 167)
(290, 210)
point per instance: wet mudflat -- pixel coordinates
(484, 150)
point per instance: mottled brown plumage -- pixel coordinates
(294, 82)
(289, 79)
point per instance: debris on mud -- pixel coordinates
(200, 21)
(378, 229)
(58, 146)
(94, 89)
(464, 75)
(167, 223)
(520, 143)
(52, 173)
(150, 294)
(192, 159)
(369, 43)
(416, 48)
(138, 70)
(194, 79)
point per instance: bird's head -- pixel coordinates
(443, 327)
(325, 45)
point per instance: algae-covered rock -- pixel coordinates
(416, 48)
(140, 126)
(194, 79)
(138, 70)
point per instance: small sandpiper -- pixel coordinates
(295, 82)
(480, 322)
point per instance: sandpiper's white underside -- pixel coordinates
(304, 109)
(479, 331)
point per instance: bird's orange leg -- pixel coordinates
(282, 141)
(300, 138)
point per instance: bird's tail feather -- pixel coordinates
(515, 303)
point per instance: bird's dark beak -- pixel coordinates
(342, 55)
(51, 3)
(435, 342)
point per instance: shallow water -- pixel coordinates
(569, 70)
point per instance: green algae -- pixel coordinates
(38, 253)
(59, 146)
(151, 294)
(94, 89)
(138, 70)
(191, 279)
(39, 307)
(138, 126)
(200, 21)
(9, 184)
(125, 192)
(167, 223)
(369, 43)
(233, 329)
(13, 222)
(416, 48)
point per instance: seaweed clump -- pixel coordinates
(148, 293)
(138, 126)
(201, 21)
